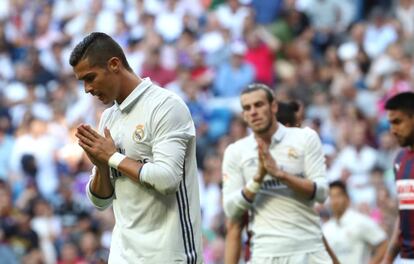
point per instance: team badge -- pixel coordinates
(292, 153)
(138, 134)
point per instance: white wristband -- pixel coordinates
(253, 186)
(115, 160)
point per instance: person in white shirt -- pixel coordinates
(288, 115)
(276, 173)
(144, 157)
(352, 235)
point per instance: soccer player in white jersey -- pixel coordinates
(352, 236)
(144, 157)
(277, 173)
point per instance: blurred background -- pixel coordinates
(341, 59)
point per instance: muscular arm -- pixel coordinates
(394, 245)
(233, 242)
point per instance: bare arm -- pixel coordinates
(330, 251)
(394, 245)
(233, 241)
(380, 251)
(100, 185)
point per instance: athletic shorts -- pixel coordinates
(317, 257)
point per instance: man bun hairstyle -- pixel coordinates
(98, 48)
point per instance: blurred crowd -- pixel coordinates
(341, 59)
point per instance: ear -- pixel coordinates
(243, 113)
(114, 64)
(274, 106)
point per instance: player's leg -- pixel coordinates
(233, 241)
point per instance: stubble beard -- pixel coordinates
(265, 129)
(408, 141)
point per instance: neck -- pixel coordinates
(338, 215)
(129, 81)
(267, 135)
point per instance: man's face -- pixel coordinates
(402, 127)
(338, 200)
(98, 81)
(258, 113)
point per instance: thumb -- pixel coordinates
(107, 132)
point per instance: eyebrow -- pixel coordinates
(90, 74)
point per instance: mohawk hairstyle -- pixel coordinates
(98, 47)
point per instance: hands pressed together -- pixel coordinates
(97, 148)
(267, 164)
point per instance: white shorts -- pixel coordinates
(317, 257)
(403, 261)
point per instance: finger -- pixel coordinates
(82, 131)
(86, 141)
(107, 133)
(85, 147)
(86, 138)
(92, 131)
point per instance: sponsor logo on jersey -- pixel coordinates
(138, 134)
(405, 191)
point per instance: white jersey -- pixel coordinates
(282, 222)
(158, 219)
(353, 237)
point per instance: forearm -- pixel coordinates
(248, 193)
(100, 185)
(157, 176)
(380, 251)
(394, 245)
(233, 242)
(98, 190)
(302, 186)
(330, 251)
(235, 204)
(130, 168)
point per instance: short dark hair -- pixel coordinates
(286, 113)
(402, 101)
(98, 47)
(339, 184)
(260, 87)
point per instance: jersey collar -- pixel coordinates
(280, 133)
(134, 95)
(277, 136)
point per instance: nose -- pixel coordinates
(253, 111)
(88, 88)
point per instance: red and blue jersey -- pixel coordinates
(404, 174)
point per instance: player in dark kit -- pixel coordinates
(400, 109)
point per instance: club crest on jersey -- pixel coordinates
(292, 153)
(138, 134)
